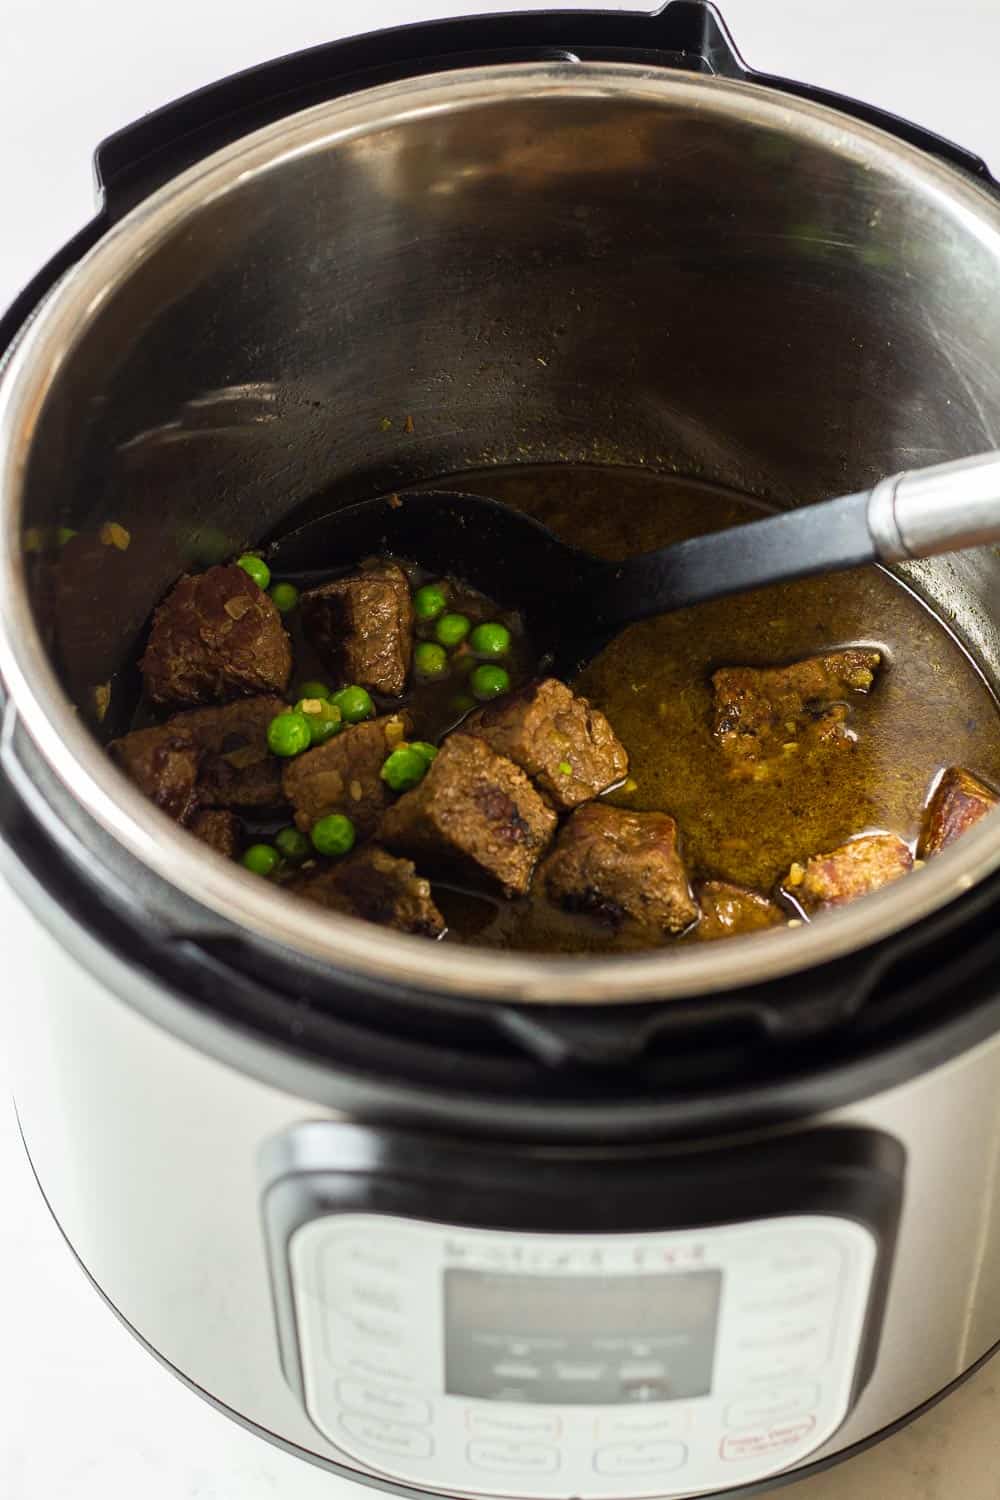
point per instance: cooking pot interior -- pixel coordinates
(683, 274)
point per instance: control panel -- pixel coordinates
(587, 1365)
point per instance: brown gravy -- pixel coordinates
(930, 707)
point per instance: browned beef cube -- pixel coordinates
(475, 812)
(378, 888)
(163, 762)
(765, 712)
(238, 770)
(216, 636)
(857, 867)
(344, 775)
(218, 829)
(623, 868)
(362, 628)
(729, 910)
(568, 747)
(960, 800)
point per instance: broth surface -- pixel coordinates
(930, 706)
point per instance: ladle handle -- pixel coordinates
(915, 514)
(941, 509)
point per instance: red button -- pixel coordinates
(793, 1432)
(746, 1445)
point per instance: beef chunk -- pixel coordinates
(623, 868)
(729, 910)
(219, 830)
(857, 867)
(216, 636)
(568, 747)
(766, 712)
(476, 812)
(343, 776)
(373, 885)
(960, 800)
(163, 762)
(362, 628)
(238, 769)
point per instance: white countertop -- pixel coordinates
(87, 1414)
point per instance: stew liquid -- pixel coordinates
(930, 706)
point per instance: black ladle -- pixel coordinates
(573, 604)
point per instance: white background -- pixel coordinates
(84, 1413)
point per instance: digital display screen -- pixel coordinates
(581, 1340)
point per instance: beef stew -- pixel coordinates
(724, 770)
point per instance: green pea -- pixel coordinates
(262, 859)
(404, 768)
(65, 534)
(324, 718)
(289, 734)
(354, 703)
(333, 835)
(462, 704)
(256, 567)
(292, 844)
(429, 602)
(285, 596)
(423, 748)
(489, 682)
(313, 689)
(491, 639)
(451, 630)
(430, 660)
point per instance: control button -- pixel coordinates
(647, 1370)
(757, 1445)
(772, 1406)
(512, 1424)
(513, 1458)
(566, 1371)
(769, 1336)
(646, 1421)
(509, 1369)
(640, 1458)
(376, 1296)
(373, 1367)
(782, 1354)
(375, 1401)
(387, 1437)
(763, 1374)
(789, 1299)
(361, 1253)
(387, 1334)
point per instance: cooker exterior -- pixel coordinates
(148, 1152)
(148, 1143)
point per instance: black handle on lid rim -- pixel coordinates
(688, 34)
(685, 33)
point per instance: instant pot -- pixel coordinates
(443, 1220)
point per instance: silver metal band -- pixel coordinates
(923, 512)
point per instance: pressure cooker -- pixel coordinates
(443, 1220)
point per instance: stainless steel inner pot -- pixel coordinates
(585, 262)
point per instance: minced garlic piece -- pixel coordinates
(114, 535)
